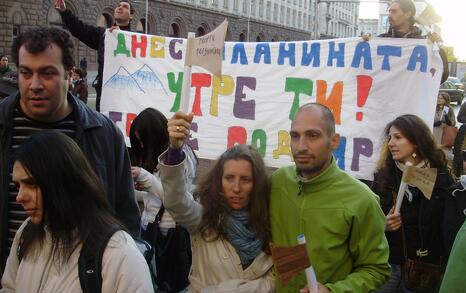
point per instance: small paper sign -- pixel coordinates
(422, 178)
(206, 51)
(289, 261)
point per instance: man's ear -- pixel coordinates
(335, 141)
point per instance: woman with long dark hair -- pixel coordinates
(149, 138)
(420, 225)
(67, 208)
(229, 225)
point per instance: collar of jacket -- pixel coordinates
(85, 119)
(413, 33)
(126, 27)
(321, 181)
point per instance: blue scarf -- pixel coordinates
(245, 241)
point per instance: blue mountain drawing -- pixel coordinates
(122, 80)
(147, 79)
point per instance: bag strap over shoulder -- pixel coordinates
(90, 263)
(158, 217)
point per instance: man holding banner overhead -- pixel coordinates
(338, 215)
(94, 36)
(401, 15)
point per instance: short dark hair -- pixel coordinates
(326, 113)
(38, 39)
(131, 6)
(76, 208)
(407, 6)
(81, 72)
(151, 128)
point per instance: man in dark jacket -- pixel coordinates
(44, 57)
(401, 17)
(94, 37)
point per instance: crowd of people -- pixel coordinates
(69, 216)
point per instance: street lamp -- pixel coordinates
(249, 16)
(147, 14)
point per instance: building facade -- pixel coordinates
(338, 19)
(253, 20)
(368, 27)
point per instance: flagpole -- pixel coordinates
(401, 192)
(186, 86)
(310, 273)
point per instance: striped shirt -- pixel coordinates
(23, 128)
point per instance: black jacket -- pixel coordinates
(93, 37)
(424, 220)
(102, 143)
(415, 33)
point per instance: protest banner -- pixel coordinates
(365, 84)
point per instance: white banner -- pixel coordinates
(365, 84)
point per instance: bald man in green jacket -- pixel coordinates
(339, 216)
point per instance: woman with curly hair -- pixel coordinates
(229, 226)
(421, 222)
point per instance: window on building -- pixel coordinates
(200, 31)
(141, 26)
(268, 10)
(261, 8)
(235, 4)
(53, 17)
(282, 15)
(174, 30)
(288, 18)
(242, 37)
(17, 20)
(105, 20)
(275, 12)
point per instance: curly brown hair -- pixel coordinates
(216, 209)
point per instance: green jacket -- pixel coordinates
(453, 280)
(343, 224)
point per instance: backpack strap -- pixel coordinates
(158, 217)
(90, 262)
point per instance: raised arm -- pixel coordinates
(88, 34)
(177, 198)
